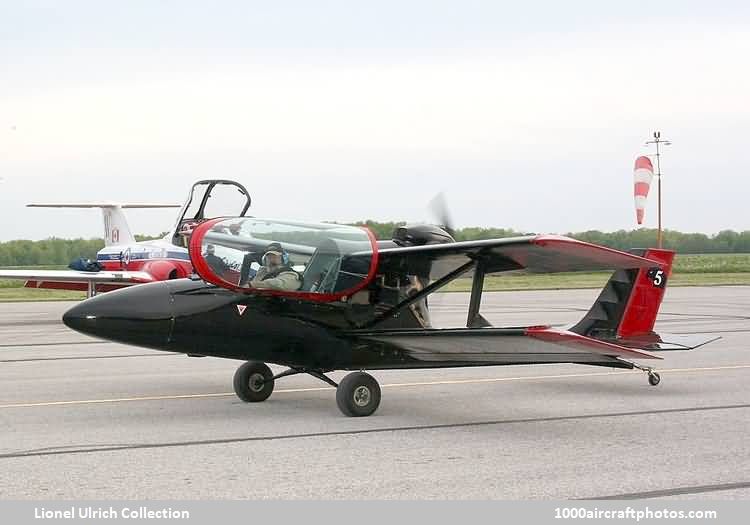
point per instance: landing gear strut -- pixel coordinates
(357, 395)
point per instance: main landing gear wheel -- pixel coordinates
(253, 382)
(358, 395)
(653, 378)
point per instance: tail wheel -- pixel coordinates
(358, 395)
(654, 378)
(253, 382)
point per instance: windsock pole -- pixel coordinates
(658, 190)
(658, 140)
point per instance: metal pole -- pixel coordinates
(657, 141)
(658, 172)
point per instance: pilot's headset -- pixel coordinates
(275, 247)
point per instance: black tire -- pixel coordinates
(654, 378)
(253, 382)
(358, 395)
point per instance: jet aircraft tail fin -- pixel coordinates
(116, 228)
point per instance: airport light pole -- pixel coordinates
(663, 142)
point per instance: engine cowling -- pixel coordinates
(421, 234)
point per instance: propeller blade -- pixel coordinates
(439, 207)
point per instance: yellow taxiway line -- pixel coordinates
(388, 385)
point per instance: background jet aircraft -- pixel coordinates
(362, 304)
(124, 261)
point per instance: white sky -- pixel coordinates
(527, 114)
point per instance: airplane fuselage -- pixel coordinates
(193, 317)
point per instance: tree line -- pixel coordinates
(55, 251)
(727, 241)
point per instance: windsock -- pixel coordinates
(642, 176)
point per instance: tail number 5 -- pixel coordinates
(658, 278)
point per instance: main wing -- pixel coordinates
(68, 279)
(533, 253)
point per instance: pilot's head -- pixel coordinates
(210, 249)
(275, 256)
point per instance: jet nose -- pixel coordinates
(139, 315)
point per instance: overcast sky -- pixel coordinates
(527, 114)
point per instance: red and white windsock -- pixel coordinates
(642, 176)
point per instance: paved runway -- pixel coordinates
(86, 419)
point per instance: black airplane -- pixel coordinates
(337, 299)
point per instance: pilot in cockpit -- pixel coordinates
(276, 273)
(216, 263)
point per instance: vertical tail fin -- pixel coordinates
(116, 229)
(645, 299)
(628, 304)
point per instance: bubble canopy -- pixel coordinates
(315, 261)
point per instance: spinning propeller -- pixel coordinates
(421, 234)
(439, 208)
